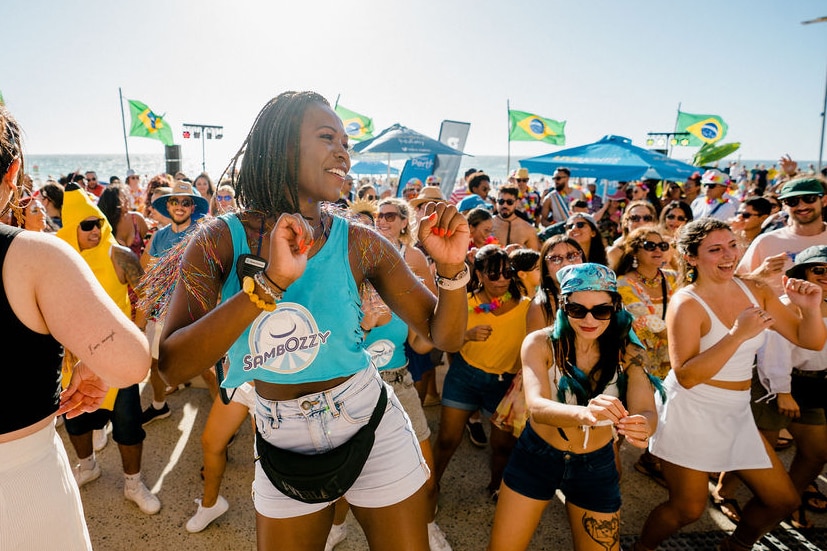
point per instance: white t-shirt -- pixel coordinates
(719, 211)
(777, 242)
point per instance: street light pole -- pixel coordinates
(203, 131)
(824, 106)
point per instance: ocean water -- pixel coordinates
(43, 167)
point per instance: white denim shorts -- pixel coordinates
(316, 423)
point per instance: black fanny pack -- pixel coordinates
(325, 476)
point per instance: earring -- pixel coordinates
(692, 274)
(634, 262)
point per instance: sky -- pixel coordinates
(604, 66)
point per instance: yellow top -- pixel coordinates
(498, 354)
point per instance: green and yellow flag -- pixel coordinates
(2, 101)
(702, 128)
(528, 127)
(357, 127)
(146, 124)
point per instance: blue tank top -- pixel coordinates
(313, 335)
(386, 344)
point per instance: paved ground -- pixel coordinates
(172, 459)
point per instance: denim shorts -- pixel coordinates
(470, 389)
(588, 480)
(318, 422)
(125, 416)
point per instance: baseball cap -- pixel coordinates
(817, 254)
(801, 186)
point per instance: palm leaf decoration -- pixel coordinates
(711, 152)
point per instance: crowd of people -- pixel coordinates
(684, 319)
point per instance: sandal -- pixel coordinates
(801, 523)
(728, 507)
(814, 499)
(783, 442)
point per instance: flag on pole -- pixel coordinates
(357, 127)
(702, 128)
(528, 127)
(2, 101)
(147, 124)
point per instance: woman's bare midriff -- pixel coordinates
(26, 431)
(598, 437)
(730, 385)
(276, 392)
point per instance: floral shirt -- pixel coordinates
(649, 325)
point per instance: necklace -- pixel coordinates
(490, 306)
(650, 282)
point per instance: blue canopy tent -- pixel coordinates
(372, 167)
(611, 158)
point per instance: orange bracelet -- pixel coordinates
(249, 287)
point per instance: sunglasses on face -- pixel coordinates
(557, 259)
(508, 202)
(651, 246)
(712, 185)
(226, 198)
(638, 218)
(89, 225)
(495, 276)
(556, 178)
(389, 216)
(808, 199)
(186, 203)
(817, 270)
(578, 225)
(745, 215)
(522, 180)
(677, 217)
(601, 312)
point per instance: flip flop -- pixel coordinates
(728, 507)
(801, 523)
(783, 443)
(814, 499)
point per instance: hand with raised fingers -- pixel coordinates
(802, 293)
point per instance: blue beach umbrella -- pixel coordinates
(400, 139)
(372, 167)
(611, 158)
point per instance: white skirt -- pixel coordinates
(40, 505)
(708, 429)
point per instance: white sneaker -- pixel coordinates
(142, 497)
(205, 515)
(99, 439)
(84, 476)
(436, 538)
(338, 533)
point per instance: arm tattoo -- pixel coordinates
(606, 532)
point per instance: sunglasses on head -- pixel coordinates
(817, 270)
(173, 202)
(505, 202)
(89, 225)
(808, 199)
(638, 218)
(389, 216)
(495, 276)
(579, 225)
(600, 312)
(227, 198)
(557, 259)
(677, 217)
(651, 246)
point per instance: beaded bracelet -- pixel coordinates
(259, 277)
(249, 287)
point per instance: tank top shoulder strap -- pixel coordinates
(745, 288)
(701, 301)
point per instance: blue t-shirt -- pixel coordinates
(386, 344)
(314, 334)
(165, 239)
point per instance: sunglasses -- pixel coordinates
(522, 180)
(389, 216)
(817, 270)
(557, 259)
(183, 202)
(651, 246)
(555, 178)
(227, 198)
(713, 185)
(676, 217)
(494, 276)
(746, 215)
(808, 199)
(638, 218)
(508, 202)
(601, 312)
(578, 225)
(89, 225)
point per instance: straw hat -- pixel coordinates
(428, 193)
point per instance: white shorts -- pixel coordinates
(40, 505)
(246, 396)
(316, 423)
(153, 335)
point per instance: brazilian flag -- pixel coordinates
(702, 129)
(146, 124)
(357, 127)
(528, 127)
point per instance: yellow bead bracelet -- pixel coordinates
(249, 287)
